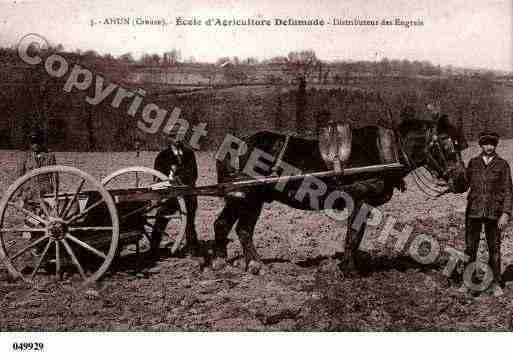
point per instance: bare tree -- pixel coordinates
(155, 59)
(250, 61)
(301, 64)
(127, 58)
(234, 74)
(279, 60)
(172, 57)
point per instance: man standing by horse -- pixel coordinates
(489, 204)
(179, 163)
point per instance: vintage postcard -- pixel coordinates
(258, 166)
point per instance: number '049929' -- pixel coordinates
(26, 346)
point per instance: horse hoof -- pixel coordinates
(254, 267)
(348, 272)
(348, 267)
(218, 264)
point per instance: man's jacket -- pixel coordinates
(490, 188)
(182, 163)
(42, 184)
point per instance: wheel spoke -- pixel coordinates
(28, 213)
(22, 229)
(26, 248)
(178, 213)
(40, 260)
(147, 235)
(66, 199)
(85, 211)
(174, 216)
(57, 261)
(135, 211)
(75, 196)
(86, 246)
(74, 259)
(56, 193)
(89, 229)
(44, 206)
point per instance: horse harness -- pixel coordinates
(279, 159)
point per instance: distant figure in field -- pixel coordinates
(34, 189)
(37, 157)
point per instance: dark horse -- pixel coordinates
(433, 143)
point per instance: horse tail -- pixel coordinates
(227, 169)
(222, 171)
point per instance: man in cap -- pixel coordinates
(38, 157)
(488, 204)
(179, 163)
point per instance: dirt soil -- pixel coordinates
(300, 287)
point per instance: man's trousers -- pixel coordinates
(493, 238)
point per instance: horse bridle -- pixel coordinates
(432, 143)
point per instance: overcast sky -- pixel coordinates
(469, 33)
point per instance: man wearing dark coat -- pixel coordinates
(179, 163)
(33, 190)
(38, 156)
(489, 203)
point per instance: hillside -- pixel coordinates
(266, 99)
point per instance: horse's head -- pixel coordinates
(435, 144)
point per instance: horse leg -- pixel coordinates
(191, 237)
(223, 226)
(357, 240)
(354, 236)
(245, 229)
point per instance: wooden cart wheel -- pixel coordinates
(43, 224)
(144, 177)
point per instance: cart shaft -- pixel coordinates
(221, 189)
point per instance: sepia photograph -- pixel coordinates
(255, 166)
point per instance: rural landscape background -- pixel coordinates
(241, 96)
(301, 287)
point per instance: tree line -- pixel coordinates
(38, 99)
(385, 66)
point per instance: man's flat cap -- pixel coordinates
(488, 137)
